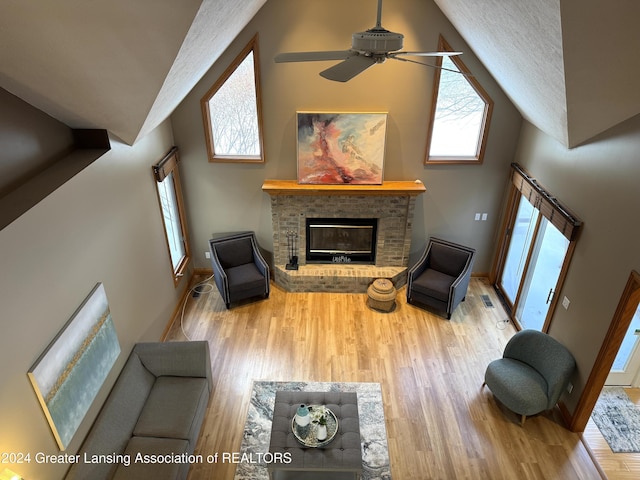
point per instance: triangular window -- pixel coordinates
(232, 113)
(460, 114)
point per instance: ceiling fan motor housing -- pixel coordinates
(376, 41)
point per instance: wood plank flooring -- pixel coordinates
(440, 423)
(618, 466)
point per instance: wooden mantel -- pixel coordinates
(292, 187)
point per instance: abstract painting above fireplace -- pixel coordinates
(341, 148)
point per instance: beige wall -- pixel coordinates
(599, 182)
(224, 197)
(101, 226)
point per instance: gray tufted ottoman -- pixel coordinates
(340, 459)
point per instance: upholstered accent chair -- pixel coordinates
(441, 277)
(532, 374)
(239, 269)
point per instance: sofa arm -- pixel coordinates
(176, 359)
(416, 270)
(460, 285)
(219, 275)
(258, 259)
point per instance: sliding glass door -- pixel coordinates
(539, 285)
(534, 254)
(534, 260)
(522, 232)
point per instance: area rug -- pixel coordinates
(618, 419)
(257, 429)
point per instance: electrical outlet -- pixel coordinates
(484, 217)
(477, 217)
(565, 303)
(207, 254)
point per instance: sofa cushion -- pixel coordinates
(234, 252)
(176, 359)
(245, 277)
(434, 284)
(173, 408)
(150, 468)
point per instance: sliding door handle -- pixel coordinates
(550, 295)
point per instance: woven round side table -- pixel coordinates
(382, 295)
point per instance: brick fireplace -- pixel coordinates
(391, 203)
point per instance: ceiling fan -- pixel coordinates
(367, 48)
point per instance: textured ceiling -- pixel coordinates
(570, 66)
(121, 65)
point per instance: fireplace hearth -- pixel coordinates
(380, 221)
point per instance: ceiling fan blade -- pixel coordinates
(313, 56)
(348, 69)
(401, 59)
(427, 54)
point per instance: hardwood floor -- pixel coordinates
(440, 423)
(618, 466)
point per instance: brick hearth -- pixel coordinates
(392, 203)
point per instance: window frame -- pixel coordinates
(477, 159)
(252, 47)
(165, 168)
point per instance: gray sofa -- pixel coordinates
(156, 407)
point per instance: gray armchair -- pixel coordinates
(532, 374)
(441, 277)
(239, 270)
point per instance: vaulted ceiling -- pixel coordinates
(122, 65)
(570, 66)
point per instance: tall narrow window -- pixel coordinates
(460, 113)
(232, 113)
(170, 199)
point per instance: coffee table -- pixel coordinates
(338, 460)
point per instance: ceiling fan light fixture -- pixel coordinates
(377, 41)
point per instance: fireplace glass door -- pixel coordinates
(334, 240)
